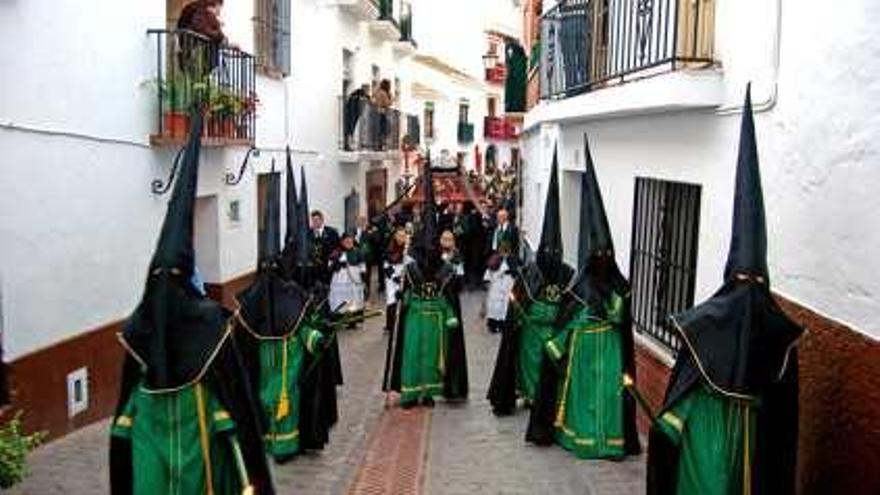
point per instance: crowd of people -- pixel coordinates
(208, 392)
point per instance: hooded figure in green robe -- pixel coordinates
(427, 348)
(187, 420)
(729, 421)
(580, 402)
(538, 295)
(321, 371)
(277, 329)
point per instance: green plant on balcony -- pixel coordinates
(14, 448)
(178, 94)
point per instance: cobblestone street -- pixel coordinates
(449, 450)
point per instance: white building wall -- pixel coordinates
(817, 144)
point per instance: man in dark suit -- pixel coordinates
(505, 235)
(323, 239)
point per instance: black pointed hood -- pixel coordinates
(175, 330)
(748, 240)
(292, 217)
(739, 340)
(292, 222)
(550, 255)
(270, 247)
(271, 306)
(425, 249)
(597, 268)
(303, 249)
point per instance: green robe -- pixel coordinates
(589, 417)
(537, 329)
(716, 436)
(280, 372)
(425, 347)
(183, 442)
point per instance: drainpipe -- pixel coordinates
(770, 102)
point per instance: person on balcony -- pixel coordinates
(201, 17)
(382, 102)
(579, 402)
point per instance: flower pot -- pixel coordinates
(220, 126)
(176, 124)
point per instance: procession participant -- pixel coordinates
(318, 405)
(347, 283)
(323, 240)
(728, 424)
(186, 416)
(580, 402)
(417, 367)
(275, 334)
(313, 251)
(455, 383)
(500, 270)
(395, 259)
(538, 294)
(365, 241)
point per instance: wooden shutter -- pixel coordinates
(281, 35)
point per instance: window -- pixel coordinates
(463, 112)
(429, 120)
(663, 257)
(492, 105)
(272, 32)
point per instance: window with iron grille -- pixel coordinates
(429, 120)
(663, 255)
(272, 33)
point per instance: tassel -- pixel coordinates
(284, 399)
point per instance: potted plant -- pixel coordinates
(223, 108)
(14, 448)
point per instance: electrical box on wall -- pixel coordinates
(77, 392)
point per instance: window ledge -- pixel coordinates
(385, 30)
(675, 91)
(655, 349)
(363, 10)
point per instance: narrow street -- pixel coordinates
(448, 450)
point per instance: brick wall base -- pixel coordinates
(839, 418)
(38, 381)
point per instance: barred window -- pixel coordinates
(663, 256)
(272, 32)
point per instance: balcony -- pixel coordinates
(366, 131)
(500, 129)
(192, 71)
(384, 25)
(465, 133)
(406, 45)
(362, 10)
(497, 74)
(588, 45)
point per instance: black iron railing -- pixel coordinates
(663, 256)
(386, 10)
(413, 130)
(586, 43)
(465, 133)
(367, 127)
(192, 70)
(406, 33)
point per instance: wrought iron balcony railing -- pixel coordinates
(192, 70)
(367, 127)
(586, 43)
(499, 128)
(413, 135)
(465, 133)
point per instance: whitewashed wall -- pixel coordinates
(818, 148)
